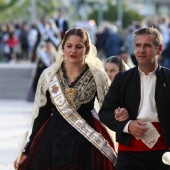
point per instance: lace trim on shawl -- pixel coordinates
(102, 83)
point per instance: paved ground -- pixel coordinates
(15, 119)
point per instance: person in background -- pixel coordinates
(66, 133)
(13, 43)
(24, 45)
(108, 40)
(5, 50)
(166, 53)
(41, 25)
(61, 23)
(144, 92)
(46, 52)
(129, 43)
(113, 43)
(33, 41)
(113, 65)
(45, 57)
(52, 33)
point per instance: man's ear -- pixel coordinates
(160, 49)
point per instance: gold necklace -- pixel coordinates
(70, 93)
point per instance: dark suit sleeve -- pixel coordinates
(111, 102)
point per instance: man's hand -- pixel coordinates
(137, 128)
(121, 114)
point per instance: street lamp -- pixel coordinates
(119, 12)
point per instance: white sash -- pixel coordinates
(78, 122)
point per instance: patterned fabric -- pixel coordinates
(84, 88)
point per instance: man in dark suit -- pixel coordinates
(144, 91)
(62, 24)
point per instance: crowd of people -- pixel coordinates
(95, 115)
(19, 41)
(112, 40)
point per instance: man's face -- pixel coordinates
(145, 51)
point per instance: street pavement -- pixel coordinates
(15, 120)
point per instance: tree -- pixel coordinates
(110, 14)
(21, 9)
(4, 5)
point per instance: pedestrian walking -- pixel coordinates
(144, 92)
(66, 132)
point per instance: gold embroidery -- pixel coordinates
(84, 89)
(71, 93)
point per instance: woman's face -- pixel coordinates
(111, 70)
(74, 50)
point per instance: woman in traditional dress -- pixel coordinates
(45, 57)
(67, 134)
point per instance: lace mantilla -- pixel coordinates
(95, 66)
